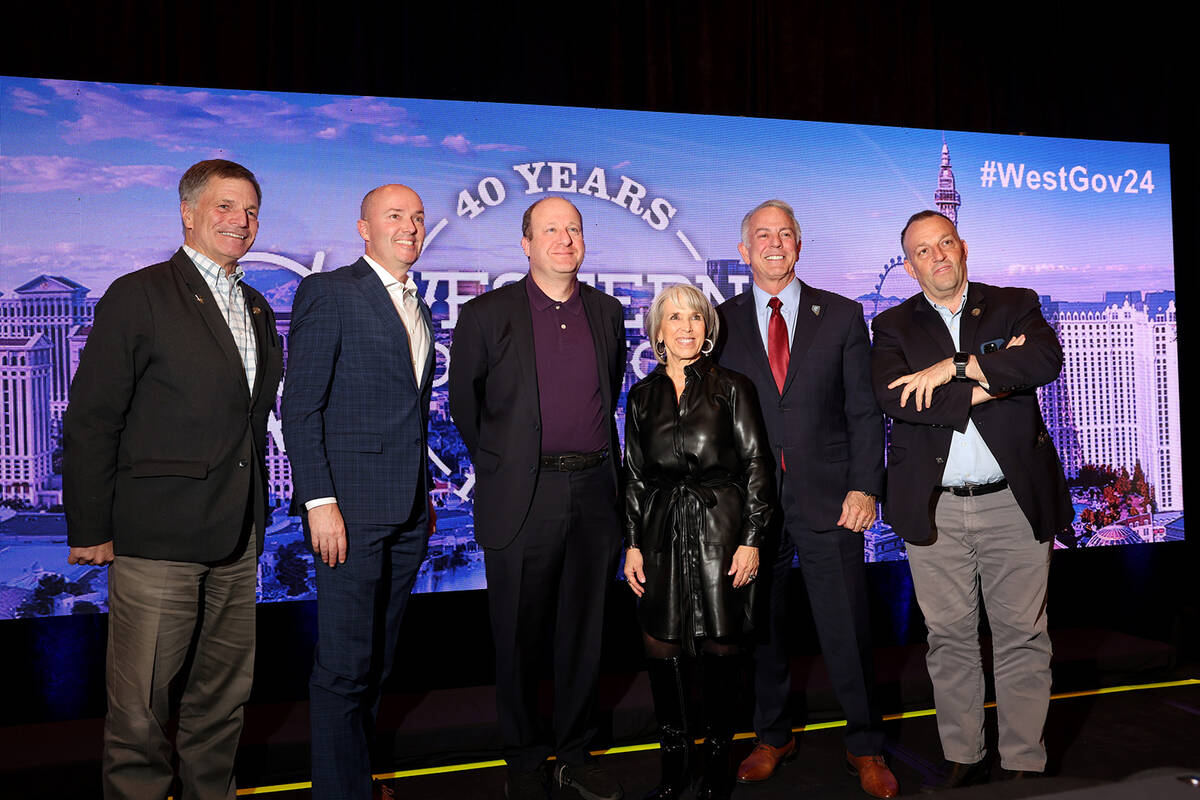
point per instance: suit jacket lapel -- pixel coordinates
(744, 325)
(258, 317)
(218, 326)
(972, 312)
(928, 320)
(521, 319)
(430, 357)
(380, 302)
(808, 319)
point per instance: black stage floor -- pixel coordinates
(1122, 707)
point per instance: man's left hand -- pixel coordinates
(858, 512)
(921, 384)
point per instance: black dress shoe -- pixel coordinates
(589, 779)
(961, 775)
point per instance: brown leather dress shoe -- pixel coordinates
(873, 775)
(764, 760)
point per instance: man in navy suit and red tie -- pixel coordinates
(355, 417)
(807, 352)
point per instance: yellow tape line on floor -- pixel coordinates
(638, 748)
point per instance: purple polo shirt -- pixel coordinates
(568, 379)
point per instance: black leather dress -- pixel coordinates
(699, 484)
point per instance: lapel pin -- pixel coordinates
(255, 310)
(199, 299)
(975, 312)
(816, 310)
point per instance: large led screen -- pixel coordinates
(88, 176)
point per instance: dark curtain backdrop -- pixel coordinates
(1048, 69)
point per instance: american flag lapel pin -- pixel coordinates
(816, 310)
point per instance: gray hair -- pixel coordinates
(782, 206)
(686, 296)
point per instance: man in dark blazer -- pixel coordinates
(975, 488)
(536, 369)
(355, 421)
(808, 354)
(164, 477)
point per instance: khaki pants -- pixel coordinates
(986, 544)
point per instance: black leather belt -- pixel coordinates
(975, 490)
(573, 462)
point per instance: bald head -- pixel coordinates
(392, 225)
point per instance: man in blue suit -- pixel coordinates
(807, 352)
(355, 417)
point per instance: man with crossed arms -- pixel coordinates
(976, 490)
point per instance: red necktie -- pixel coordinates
(777, 343)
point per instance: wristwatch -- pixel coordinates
(960, 366)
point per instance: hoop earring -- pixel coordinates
(661, 348)
(707, 343)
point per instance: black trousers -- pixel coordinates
(546, 595)
(831, 563)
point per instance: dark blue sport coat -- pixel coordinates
(355, 421)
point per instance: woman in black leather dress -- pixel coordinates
(697, 503)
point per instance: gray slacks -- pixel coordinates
(986, 543)
(163, 614)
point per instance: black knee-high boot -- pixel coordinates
(722, 680)
(670, 703)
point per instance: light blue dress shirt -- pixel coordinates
(790, 299)
(969, 462)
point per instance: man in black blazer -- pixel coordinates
(163, 476)
(536, 369)
(808, 354)
(975, 488)
(355, 420)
